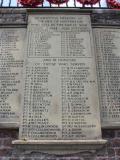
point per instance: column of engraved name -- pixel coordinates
(11, 63)
(108, 57)
(74, 105)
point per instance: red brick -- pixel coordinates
(5, 152)
(115, 142)
(117, 151)
(105, 158)
(14, 158)
(15, 134)
(108, 133)
(27, 158)
(117, 133)
(8, 133)
(111, 152)
(7, 142)
(1, 141)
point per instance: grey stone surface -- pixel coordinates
(11, 64)
(106, 18)
(13, 17)
(60, 99)
(108, 67)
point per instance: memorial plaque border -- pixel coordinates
(107, 25)
(59, 147)
(12, 16)
(99, 19)
(105, 18)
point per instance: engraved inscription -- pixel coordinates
(13, 18)
(60, 88)
(108, 58)
(11, 63)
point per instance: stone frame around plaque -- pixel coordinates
(12, 123)
(106, 19)
(107, 124)
(12, 19)
(58, 146)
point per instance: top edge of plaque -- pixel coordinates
(12, 10)
(105, 18)
(58, 10)
(12, 17)
(59, 147)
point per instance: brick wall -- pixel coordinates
(8, 152)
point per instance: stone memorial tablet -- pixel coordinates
(108, 60)
(60, 99)
(11, 63)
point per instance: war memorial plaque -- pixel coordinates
(108, 60)
(60, 100)
(11, 63)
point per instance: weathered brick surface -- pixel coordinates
(117, 151)
(108, 133)
(117, 133)
(110, 152)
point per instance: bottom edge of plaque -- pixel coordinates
(60, 146)
(9, 125)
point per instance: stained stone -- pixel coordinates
(11, 64)
(108, 66)
(60, 96)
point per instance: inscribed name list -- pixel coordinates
(108, 60)
(60, 87)
(11, 63)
